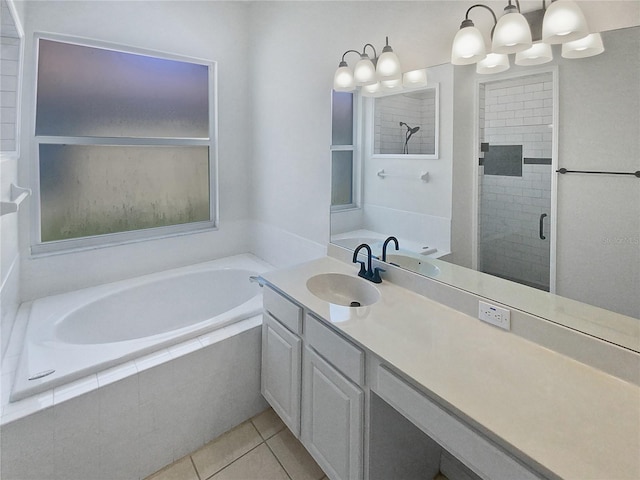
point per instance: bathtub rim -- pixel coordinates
(11, 411)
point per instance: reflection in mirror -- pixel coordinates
(595, 262)
(405, 123)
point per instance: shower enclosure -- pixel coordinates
(515, 177)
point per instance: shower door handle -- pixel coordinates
(542, 237)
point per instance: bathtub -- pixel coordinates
(79, 333)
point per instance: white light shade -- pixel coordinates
(364, 72)
(371, 90)
(343, 80)
(512, 34)
(415, 78)
(395, 84)
(468, 46)
(388, 67)
(585, 47)
(494, 63)
(563, 22)
(538, 54)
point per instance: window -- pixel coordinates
(343, 163)
(125, 143)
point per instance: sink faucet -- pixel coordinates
(384, 247)
(368, 273)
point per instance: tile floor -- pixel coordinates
(260, 448)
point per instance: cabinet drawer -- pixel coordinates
(287, 312)
(479, 454)
(338, 351)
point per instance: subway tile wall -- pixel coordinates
(414, 109)
(517, 112)
(9, 55)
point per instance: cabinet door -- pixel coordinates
(281, 360)
(332, 419)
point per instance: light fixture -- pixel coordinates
(512, 33)
(493, 63)
(537, 54)
(388, 66)
(561, 22)
(468, 45)
(364, 72)
(394, 84)
(367, 72)
(343, 80)
(415, 78)
(371, 90)
(585, 47)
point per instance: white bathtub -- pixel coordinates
(75, 334)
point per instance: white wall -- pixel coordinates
(210, 30)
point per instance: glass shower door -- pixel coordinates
(515, 173)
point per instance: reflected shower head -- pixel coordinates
(413, 130)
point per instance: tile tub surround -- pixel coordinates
(129, 427)
(259, 448)
(561, 417)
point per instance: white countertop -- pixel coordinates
(545, 408)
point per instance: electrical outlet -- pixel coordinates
(498, 316)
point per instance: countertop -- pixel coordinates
(545, 408)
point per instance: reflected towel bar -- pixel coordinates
(18, 194)
(564, 170)
(424, 176)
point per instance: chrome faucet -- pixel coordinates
(368, 273)
(384, 247)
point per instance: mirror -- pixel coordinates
(406, 123)
(594, 219)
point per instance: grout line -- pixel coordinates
(194, 467)
(286, 472)
(234, 461)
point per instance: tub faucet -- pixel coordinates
(384, 247)
(368, 273)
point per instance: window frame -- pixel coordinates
(39, 248)
(356, 157)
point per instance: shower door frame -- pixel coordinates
(517, 73)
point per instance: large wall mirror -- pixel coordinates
(591, 221)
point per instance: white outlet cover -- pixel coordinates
(498, 316)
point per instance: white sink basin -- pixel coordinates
(343, 290)
(414, 264)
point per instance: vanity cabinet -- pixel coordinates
(332, 402)
(282, 358)
(312, 377)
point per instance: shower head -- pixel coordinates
(409, 129)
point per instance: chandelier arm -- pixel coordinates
(364, 49)
(495, 19)
(349, 51)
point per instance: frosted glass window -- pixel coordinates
(88, 91)
(341, 177)
(126, 145)
(342, 118)
(88, 190)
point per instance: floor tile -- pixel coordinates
(225, 449)
(294, 457)
(180, 470)
(258, 464)
(268, 423)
